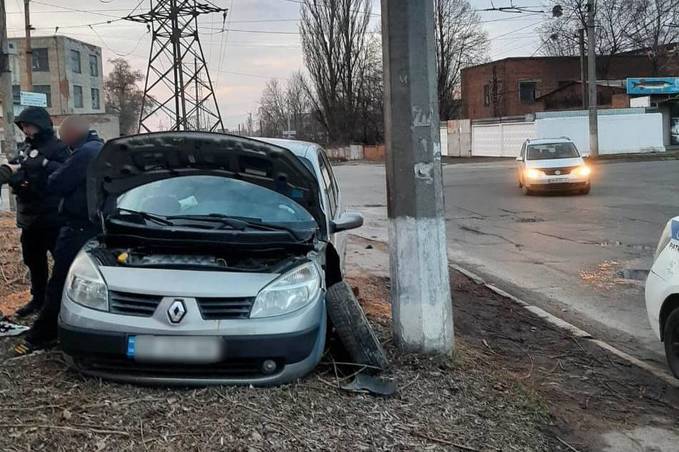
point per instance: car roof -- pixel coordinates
(299, 148)
(549, 140)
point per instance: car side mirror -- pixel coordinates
(347, 221)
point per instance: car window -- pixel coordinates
(329, 184)
(206, 195)
(552, 151)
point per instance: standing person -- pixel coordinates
(37, 206)
(69, 180)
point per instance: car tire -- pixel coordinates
(586, 190)
(671, 341)
(526, 191)
(352, 327)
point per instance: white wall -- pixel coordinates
(618, 134)
(444, 140)
(500, 140)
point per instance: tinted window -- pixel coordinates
(205, 195)
(552, 151)
(75, 62)
(41, 62)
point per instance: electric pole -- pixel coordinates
(9, 146)
(29, 48)
(583, 69)
(178, 85)
(591, 66)
(420, 285)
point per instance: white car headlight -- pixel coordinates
(85, 285)
(664, 240)
(288, 293)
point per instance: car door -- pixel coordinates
(334, 198)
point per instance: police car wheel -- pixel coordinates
(671, 340)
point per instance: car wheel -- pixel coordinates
(671, 340)
(586, 190)
(526, 191)
(352, 327)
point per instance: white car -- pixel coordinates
(662, 293)
(549, 165)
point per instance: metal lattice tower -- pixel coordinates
(178, 85)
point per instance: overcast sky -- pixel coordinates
(263, 41)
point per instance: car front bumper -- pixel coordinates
(558, 183)
(96, 343)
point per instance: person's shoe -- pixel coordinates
(26, 347)
(31, 307)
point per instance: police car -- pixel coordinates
(662, 293)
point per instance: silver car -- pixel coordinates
(213, 263)
(550, 165)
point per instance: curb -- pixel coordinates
(574, 330)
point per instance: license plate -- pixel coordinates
(555, 180)
(176, 349)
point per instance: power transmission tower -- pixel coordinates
(178, 84)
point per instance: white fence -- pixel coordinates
(500, 140)
(620, 132)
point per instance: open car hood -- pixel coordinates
(129, 162)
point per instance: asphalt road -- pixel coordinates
(583, 258)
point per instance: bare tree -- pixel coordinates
(460, 42)
(560, 36)
(334, 44)
(273, 110)
(653, 28)
(123, 96)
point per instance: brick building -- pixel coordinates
(520, 86)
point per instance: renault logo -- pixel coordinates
(177, 311)
(557, 172)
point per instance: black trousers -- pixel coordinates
(36, 242)
(71, 239)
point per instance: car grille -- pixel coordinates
(243, 368)
(562, 171)
(133, 303)
(225, 308)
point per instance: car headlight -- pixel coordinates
(532, 173)
(288, 293)
(85, 285)
(664, 240)
(582, 171)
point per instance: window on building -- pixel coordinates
(41, 62)
(94, 66)
(75, 62)
(16, 94)
(486, 95)
(96, 103)
(77, 96)
(527, 92)
(46, 90)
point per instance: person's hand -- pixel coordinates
(14, 168)
(34, 161)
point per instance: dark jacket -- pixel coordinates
(37, 206)
(5, 174)
(69, 180)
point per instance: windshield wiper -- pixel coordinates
(238, 223)
(148, 216)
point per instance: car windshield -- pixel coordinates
(552, 151)
(215, 196)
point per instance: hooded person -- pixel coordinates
(37, 206)
(69, 181)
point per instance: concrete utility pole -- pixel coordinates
(9, 146)
(591, 47)
(420, 285)
(29, 47)
(583, 69)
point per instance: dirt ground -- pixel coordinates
(516, 384)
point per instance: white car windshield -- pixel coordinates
(552, 151)
(217, 196)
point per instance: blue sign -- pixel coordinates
(653, 85)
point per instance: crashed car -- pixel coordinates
(213, 264)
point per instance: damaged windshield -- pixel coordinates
(211, 198)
